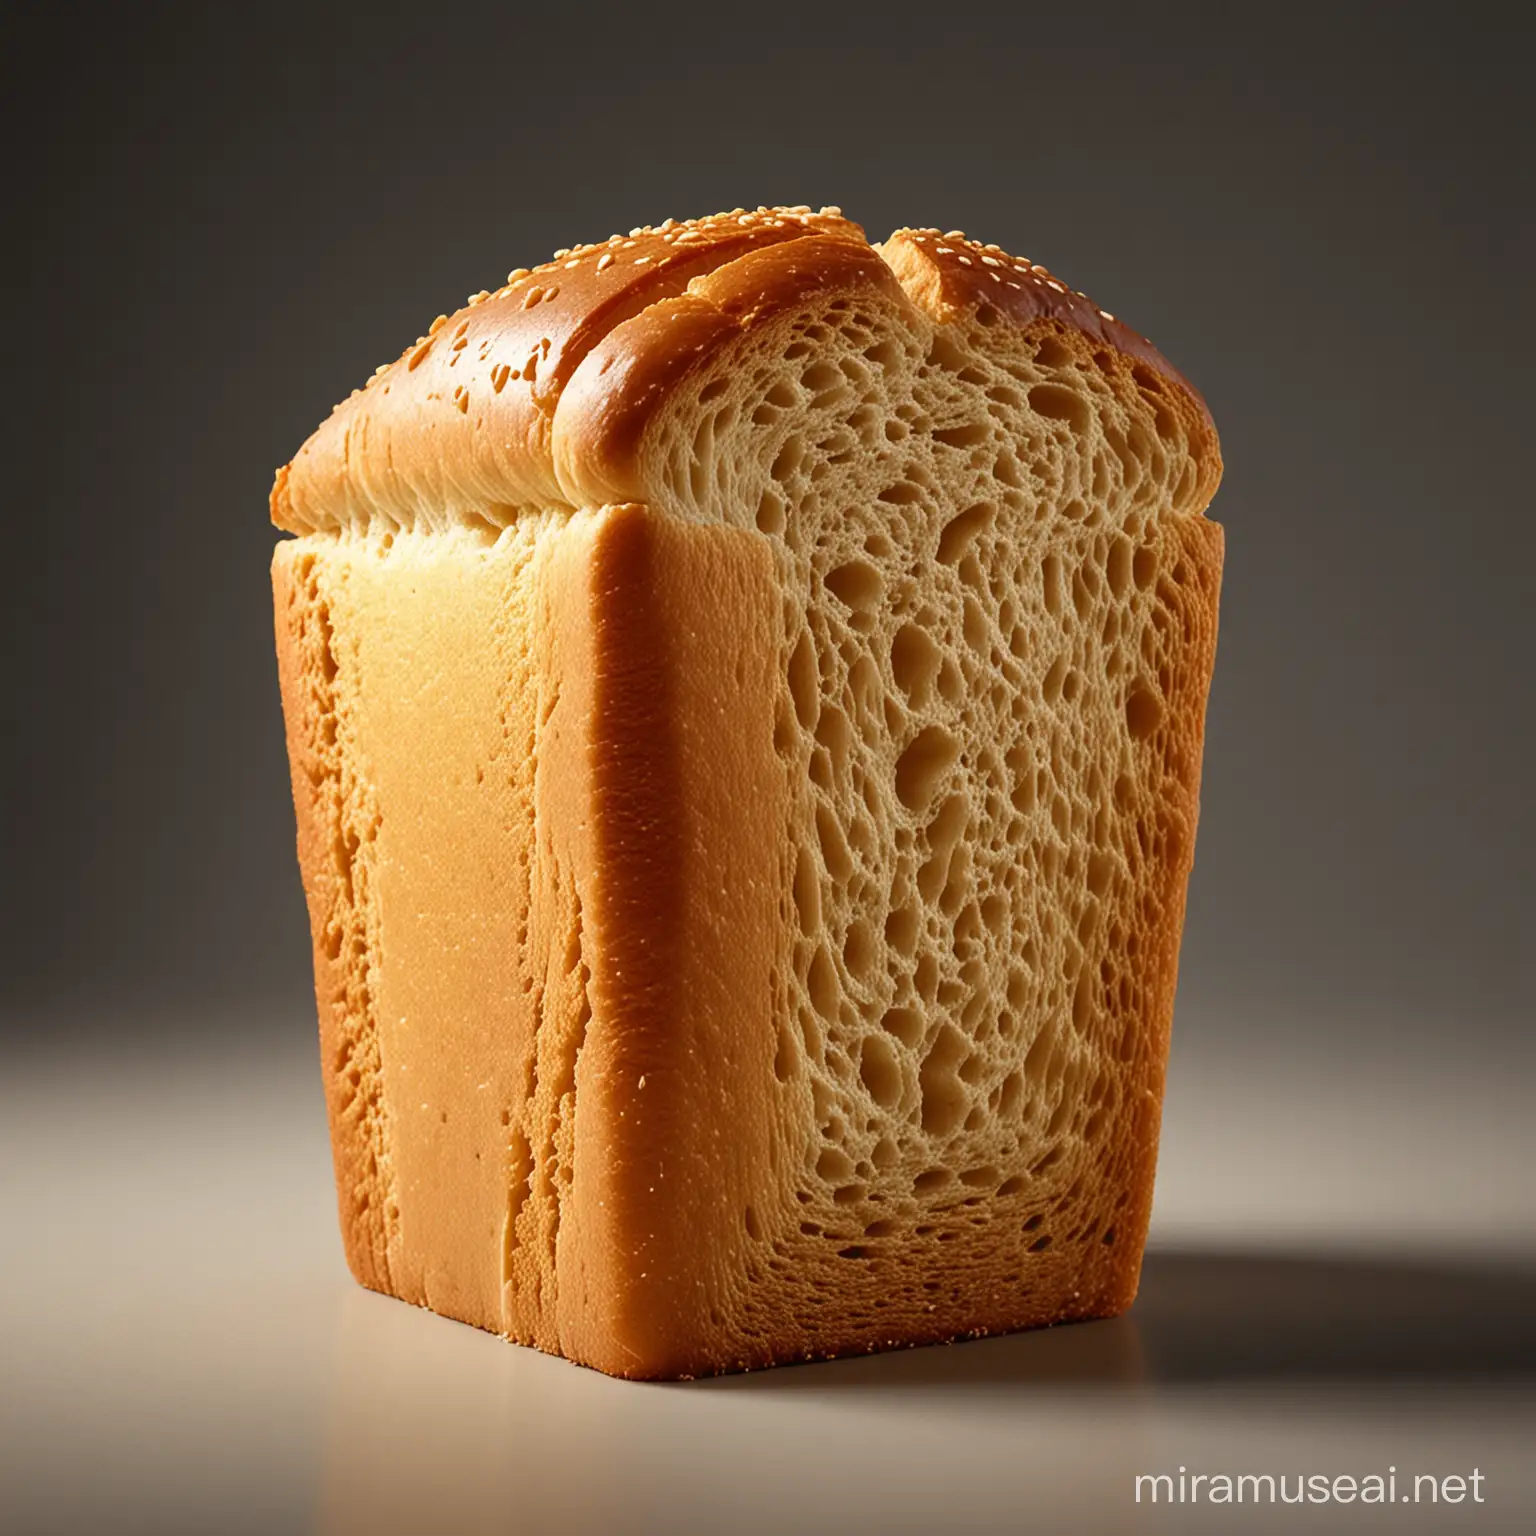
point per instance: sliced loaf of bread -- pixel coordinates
(745, 692)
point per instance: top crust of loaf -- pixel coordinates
(537, 395)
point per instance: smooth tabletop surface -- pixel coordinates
(1339, 1283)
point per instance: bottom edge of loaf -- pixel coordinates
(789, 1350)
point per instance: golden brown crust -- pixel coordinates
(686, 813)
(463, 418)
(450, 964)
(330, 849)
(536, 395)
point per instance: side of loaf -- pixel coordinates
(747, 764)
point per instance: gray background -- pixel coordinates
(218, 222)
(1326, 220)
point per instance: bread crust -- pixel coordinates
(687, 810)
(330, 849)
(538, 395)
(462, 420)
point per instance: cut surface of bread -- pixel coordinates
(745, 694)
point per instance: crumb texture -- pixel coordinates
(997, 630)
(898, 665)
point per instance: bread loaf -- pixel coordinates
(745, 693)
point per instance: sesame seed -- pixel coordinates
(1105, 314)
(516, 275)
(437, 325)
(561, 254)
(604, 261)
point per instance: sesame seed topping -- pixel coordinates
(516, 275)
(437, 325)
(1105, 314)
(604, 261)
